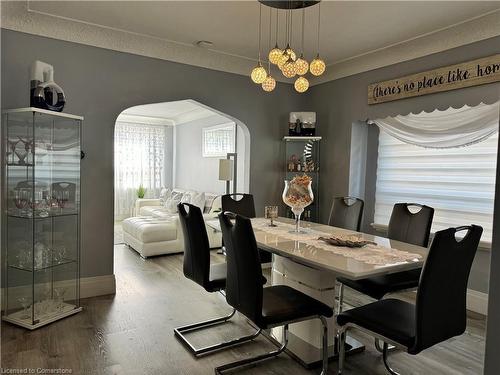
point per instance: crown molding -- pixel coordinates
(16, 16)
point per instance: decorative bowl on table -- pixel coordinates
(346, 241)
(298, 195)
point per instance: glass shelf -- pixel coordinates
(61, 263)
(20, 165)
(49, 216)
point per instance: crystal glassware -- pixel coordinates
(25, 303)
(12, 146)
(19, 201)
(298, 195)
(271, 213)
(60, 294)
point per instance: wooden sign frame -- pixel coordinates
(452, 77)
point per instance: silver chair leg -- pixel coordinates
(380, 348)
(342, 336)
(198, 352)
(341, 298)
(253, 360)
(384, 356)
(324, 347)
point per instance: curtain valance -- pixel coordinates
(444, 129)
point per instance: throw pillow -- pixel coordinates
(172, 202)
(198, 199)
(164, 194)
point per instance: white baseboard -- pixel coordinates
(97, 286)
(477, 301)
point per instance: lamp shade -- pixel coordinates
(226, 169)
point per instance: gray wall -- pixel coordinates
(341, 102)
(101, 83)
(192, 170)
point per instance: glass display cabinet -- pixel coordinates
(40, 216)
(302, 157)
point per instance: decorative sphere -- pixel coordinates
(259, 74)
(302, 66)
(291, 53)
(269, 84)
(275, 55)
(301, 84)
(317, 66)
(289, 70)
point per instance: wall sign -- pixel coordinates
(470, 73)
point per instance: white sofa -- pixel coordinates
(156, 231)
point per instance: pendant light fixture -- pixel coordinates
(276, 52)
(259, 74)
(269, 83)
(318, 66)
(286, 59)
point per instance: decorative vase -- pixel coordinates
(298, 195)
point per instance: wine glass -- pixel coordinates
(298, 195)
(12, 145)
(25, 303)
(60, 294)
(20, 200)
(271, 213)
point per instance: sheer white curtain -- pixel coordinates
(444, 129)
(139, 159)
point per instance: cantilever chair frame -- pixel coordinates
(342, 334)
(209, 349)
(220, 370)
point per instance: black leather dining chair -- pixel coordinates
(346, 212)
(440, 310)
(197, 267)
(269, 307)
(404, 226)
(243, 204)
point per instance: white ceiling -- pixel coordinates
(172, 113)
(349, 28)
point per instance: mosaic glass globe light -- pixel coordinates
(275, 55)
(289, 69)
(269, 84)
(290, 52)
(301, 84)
(317, 66)
(302, 66)
(259, 74)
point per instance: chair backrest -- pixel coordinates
(244, 271)
(414, 228)
(239, 203)
(346, 212)
(196, 246)
(442, 292)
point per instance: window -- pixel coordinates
(458, 182)
(139, 160)
(218, 140)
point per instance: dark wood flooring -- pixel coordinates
(131, 333)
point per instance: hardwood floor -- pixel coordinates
(132, 333)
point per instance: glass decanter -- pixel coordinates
(298, 195)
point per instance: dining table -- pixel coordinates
(307, 261)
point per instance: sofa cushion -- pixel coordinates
(164, 194)
(150, 229)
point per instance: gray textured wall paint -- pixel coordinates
(101, 83)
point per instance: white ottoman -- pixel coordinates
(151, 236)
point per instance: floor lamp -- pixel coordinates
(228, 170)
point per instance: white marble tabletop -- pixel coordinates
(387, 256)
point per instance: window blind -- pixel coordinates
(459, 183)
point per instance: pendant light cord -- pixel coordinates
(260, 25)
(319, 23)
(303, 28)
(269, 44)
(277, 25)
